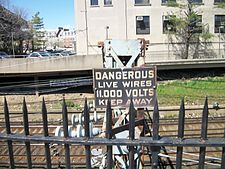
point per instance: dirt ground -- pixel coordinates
(34, 104)
(53, 101)
(76, 102)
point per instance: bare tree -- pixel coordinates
(12, 29)
(4, 2)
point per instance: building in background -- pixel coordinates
(64, 39)
(97, 20)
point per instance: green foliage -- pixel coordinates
(71, 104)
(172, 3)
(189, 30)
(178, 22)
(170, 116)
(37, 22)
(194, 91)
(38, 32)
(206, 36)
(221, 5)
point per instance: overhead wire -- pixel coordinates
(49, 88)
(28, 84)
(40, 82)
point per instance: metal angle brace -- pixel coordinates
(116, 48)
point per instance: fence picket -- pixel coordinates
(155, 134)
(26, 132)
(87, 134)
(66, 133)
(154, 141)
(46, 134)
(204, 129)
(223, 155)
(180, 134)
(8, 131)
(132, 113)
(109, 134)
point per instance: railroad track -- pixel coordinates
(168, 127)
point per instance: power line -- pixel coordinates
(69, 82)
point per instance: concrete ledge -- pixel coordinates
(187, 64)
(84, 63)
(52, 64)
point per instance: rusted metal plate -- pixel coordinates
(120, 85)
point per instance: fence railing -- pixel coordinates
(171, 55)
(152, 142)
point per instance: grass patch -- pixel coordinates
(194, 91)
(170, 115)
(71, 104)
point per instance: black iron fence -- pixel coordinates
(153, 142)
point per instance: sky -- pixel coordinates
(55, 13)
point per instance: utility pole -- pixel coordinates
(13, 50)
(219, 40)
(126, 19)
(107, 32)
(168, 39)
(86, 25)
(220, 27)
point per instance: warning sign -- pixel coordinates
(120, 85)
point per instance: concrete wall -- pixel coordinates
(121, 19)
(53, 64)
(83, 63)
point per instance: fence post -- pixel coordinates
(109, 134)
(180, 134)
(8, 131)
(155, 134)
(223, 156)
(87, 134)
(26, 132)
(203, 134)
(132, 112)
(46, 134)
(66, 133)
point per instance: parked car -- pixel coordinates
(40, 54)
(3, 55)
(56, 54)
(71, 52)
(60, 54)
